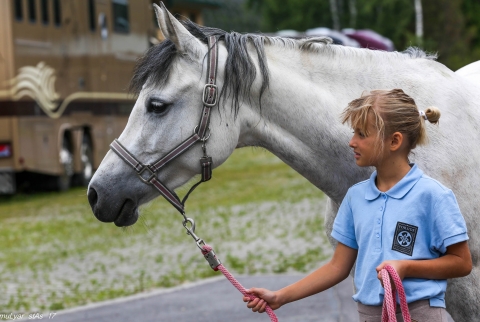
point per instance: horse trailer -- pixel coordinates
(65, 66)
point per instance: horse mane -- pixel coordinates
(240, 71)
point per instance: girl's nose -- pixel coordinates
(351, 143)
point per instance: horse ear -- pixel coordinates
(173, 30)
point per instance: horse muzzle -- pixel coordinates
(123, 213)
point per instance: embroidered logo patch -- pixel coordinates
(404, 238)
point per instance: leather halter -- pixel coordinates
(148, 172)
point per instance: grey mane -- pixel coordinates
(240, 71)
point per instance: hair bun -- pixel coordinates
(433, 114)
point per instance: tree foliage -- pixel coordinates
(471, 12)
(277, 15)
(233, 15)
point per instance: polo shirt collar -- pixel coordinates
(399, 190)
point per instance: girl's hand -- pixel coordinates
(264, 296)
(399, 265)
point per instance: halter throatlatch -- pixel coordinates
(148, 172)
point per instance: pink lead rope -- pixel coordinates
(389, 300)
(209, 254)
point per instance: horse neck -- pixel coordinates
(300, 119)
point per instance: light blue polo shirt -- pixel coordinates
(416, 219)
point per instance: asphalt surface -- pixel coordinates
(217, 300)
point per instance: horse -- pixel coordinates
(286, 96)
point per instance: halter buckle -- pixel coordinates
(152, 174)
(206, 95)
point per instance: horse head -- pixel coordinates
(169, 81)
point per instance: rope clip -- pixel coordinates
(191, 232)
(211, 258)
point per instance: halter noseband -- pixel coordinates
(210, 98)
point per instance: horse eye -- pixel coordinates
(156, 107)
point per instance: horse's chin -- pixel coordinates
(128, 214)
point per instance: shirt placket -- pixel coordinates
(380, 211)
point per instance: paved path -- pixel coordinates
(217, 300)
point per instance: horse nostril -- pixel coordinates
(92, 197)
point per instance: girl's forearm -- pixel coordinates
(448, 266)
(457, 262)
(316, 282)
(330, 274)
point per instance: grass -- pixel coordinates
(260, 216)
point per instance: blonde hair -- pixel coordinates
(393, 111)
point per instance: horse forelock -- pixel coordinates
(240, 70)
(154, 66)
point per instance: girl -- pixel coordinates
(399, 217)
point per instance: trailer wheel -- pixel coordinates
(64, 180)
(86, 157)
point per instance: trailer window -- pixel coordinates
(57, 13)
(91, 15)
(120, 16)
(45, 18)
(18, 8)
(32, 12)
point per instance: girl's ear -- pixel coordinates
(396, 141)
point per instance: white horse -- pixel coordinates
(286, 96)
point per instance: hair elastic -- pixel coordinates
(422, 114)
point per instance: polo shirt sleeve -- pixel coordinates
(449, 225)
(343, 226)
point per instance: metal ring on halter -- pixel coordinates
(205, 138)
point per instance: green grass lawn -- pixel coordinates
(260, 216)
